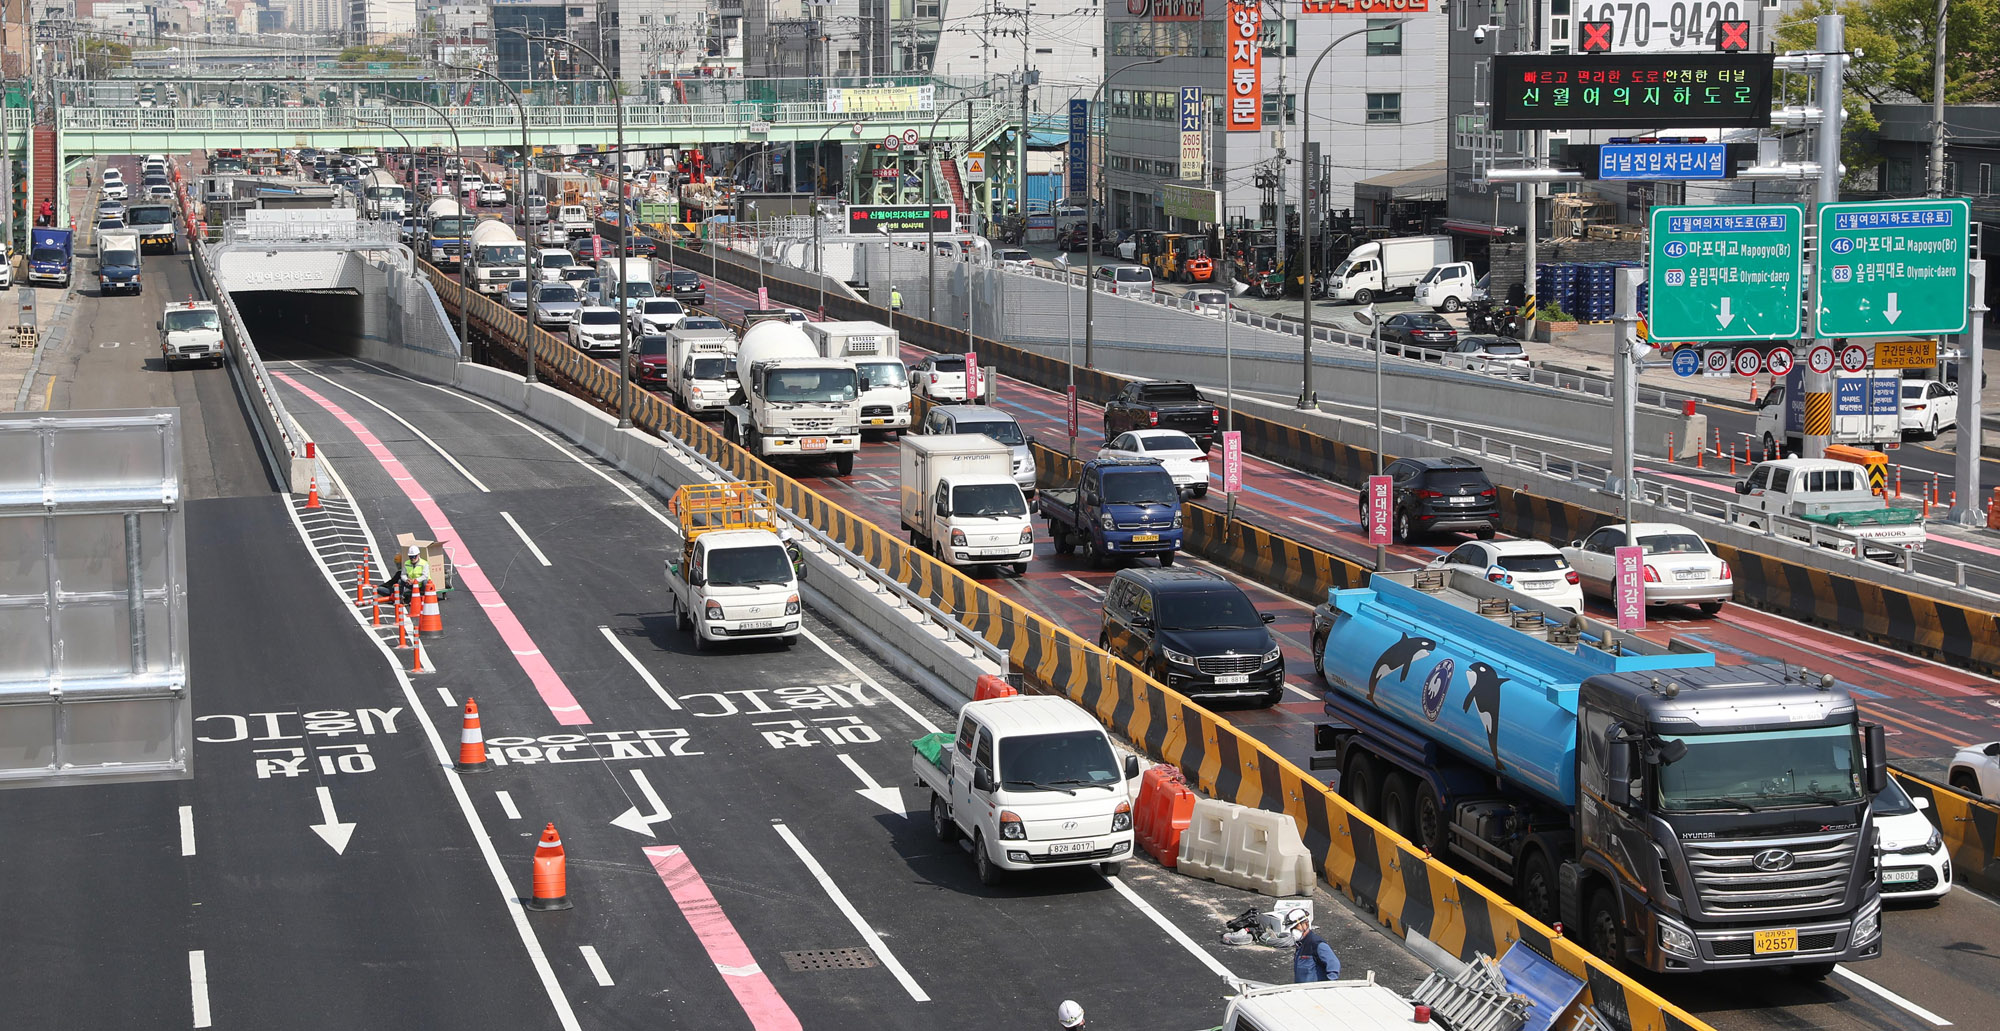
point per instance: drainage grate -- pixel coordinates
(829, 959)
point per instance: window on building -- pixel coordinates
(1280, 38)
(1290, 108)
(1385, 37)
(1559, 26)
(1385, 108)
(1896, 177)
(1121, 103)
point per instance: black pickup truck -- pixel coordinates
(1163, 406)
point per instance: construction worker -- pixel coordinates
(1070, 1015)
(1313, 959)
(411, 572)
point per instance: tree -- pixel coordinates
(374, 54)
(100, 56)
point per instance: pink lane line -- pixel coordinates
(753, 990)
(548, 683)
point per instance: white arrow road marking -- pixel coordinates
(890, 798)
(636, 822)
(1725, 318)
(330, 829)
(1891, 312)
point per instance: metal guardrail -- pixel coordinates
(312, 230)
(243, 352)
(638, 117)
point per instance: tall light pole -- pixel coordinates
(1307, 178)
(406, 146)
(464, 237)
(1090, 222)
(624, 233)
(930, 190)
(529, 269)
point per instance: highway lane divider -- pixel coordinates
(1969, 826)
(1406, 890)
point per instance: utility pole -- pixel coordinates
(1937, 103)
(1831, 44)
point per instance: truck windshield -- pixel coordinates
(809, 385)
(118, 259)
(1761, 769)
(177, 321)
(1208, 610)
(503, 255)
(1055, 762)
(1150, 486)
(884, 374)
(714, 368)
(46, 254)
(988, 499)
(1006, 431)
(749, 567)
(153, 216)
(448, 225)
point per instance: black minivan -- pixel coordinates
(1194, 632)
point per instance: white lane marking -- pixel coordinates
(1172, 931)
(187, 830)
(421, 435)
(882, 953)
(596, 964)
(507, 805)
(633, 661)
(523, 534)
(1084, 586)
(895, 700)
(1891, 996)
(449, 701)
(1300, 691)
(565, 1015)
(198, 986)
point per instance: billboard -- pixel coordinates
(879, 99)
(1631, 91)
(1194, 125)
(1244, 26)
(1079, 149)
(899, 219)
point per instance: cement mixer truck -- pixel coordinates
(794, 403)
(499, 258)
(1672, 813)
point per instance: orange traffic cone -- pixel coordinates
(402, 624)
(430, 621)
(420, 660)
(551, 874)
(471, 742)
(312, 496)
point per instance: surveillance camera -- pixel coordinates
(1479, 34)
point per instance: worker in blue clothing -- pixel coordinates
(1313, 959)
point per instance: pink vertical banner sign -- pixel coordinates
(1629, 591)
(1072, 411)
(1232, 461)
(763, 297)
(1379, 493)
(972, 376)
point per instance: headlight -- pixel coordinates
(1868, 924)
(1272, 655)
(1028, 537)
(714, 610)
(792, 605)
(1121, 819)
(1934, 842)
(1010, 827)
(1177, 658)
(1106, 521)
(1676, 940)
(958, 538)
(1177, 519)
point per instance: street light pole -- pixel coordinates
(529, 268)
(930, 190)
(1307, 178)
(464, 236)
(412, 178)
(1090, 223)
(624, 234)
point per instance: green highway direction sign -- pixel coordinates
(1726, 272)
(1892, 266)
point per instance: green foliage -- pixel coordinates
(373, 54)
(1553, 313)
(100, 56)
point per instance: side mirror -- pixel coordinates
(1576, 544)
(799, 572)
(982, 779)
(1877, 744)
(1920, 802)
(1618, 771)
(1269, 617)
(1743, 486)
(1132, 768)
(1142, 622)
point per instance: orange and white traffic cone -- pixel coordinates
(420, 660)
(471, 742)
(312, 496)
(361, 582)
(551, 890)
(402, 624)
(430, 621)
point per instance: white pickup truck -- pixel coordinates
(1833, 494)
(1033, 782)
(732, 579)
(191, 331)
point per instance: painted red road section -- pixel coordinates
(1929, 709)
(548, 683)
(753, 989)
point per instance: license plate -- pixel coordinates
(876, 422)
(1899, 876)
(1538, 585)
(1785, 940)
(1689, 574)
(1458, 501)
(755, 624)
(1233, 678)
(1063, 848)
(1145, 538)
(812, 443)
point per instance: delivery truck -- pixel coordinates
(702, 379)
(118, 262)
(1671, 812)
(876, 352)
(960, 502)
(49, 256)
(1386, 266)
(1867, 411)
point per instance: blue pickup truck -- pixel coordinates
(1115, 507)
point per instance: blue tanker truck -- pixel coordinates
(1672, 813)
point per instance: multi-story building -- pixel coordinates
(380, 21)
(517, 57)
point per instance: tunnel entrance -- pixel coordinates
(302, 325)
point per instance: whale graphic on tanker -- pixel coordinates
(1399, 656)
(1482, 691)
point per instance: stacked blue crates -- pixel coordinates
(1555, 284)
(1586, 290)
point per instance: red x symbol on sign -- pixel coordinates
(1732, 36)
(1596, 37)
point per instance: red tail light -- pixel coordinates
(1572, 577)
(1215, 416)
(1429, 494)
(1652, 575)
(1497, 577)
(1199, 458)
(1725, 572)
(1152, 418)
(1488, 492)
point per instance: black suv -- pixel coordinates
(1194, 632)
(686, 286)
(1433, 494)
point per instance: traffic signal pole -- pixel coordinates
(1818, 422)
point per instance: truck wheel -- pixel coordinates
(1453, 304)
(1396, 810)
(1358, 781)
(1319, 654)
(1602, 935)
(1431, 828)
(1770, 446)
(941, 824)
(1166, 559)
(1535, 887)
(990, 873)
(701, 644)
(1363, 296)
(1110, 869)
(682, 621)
(843, 463)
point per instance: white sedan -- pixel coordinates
(1928, 406)
(1679, 568)
(1535, 569)
(1184, 459)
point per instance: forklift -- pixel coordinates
(1186, 259)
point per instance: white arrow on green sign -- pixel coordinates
(1892, 267)
(1726, 272)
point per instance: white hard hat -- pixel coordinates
(1070, 1014)
(415, 551)
(1298, 915)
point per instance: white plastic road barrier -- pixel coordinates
(1245, 848)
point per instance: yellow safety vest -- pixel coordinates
(416, 571)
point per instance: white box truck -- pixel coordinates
(703, 379)
(794, 402)
(876, 352)
(1386, 266)
(961, 504)
(1867, 411)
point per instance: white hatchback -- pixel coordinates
(1533, 568)
(1915, 864)
(1184, 459)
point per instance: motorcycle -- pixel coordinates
(1488, 317)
